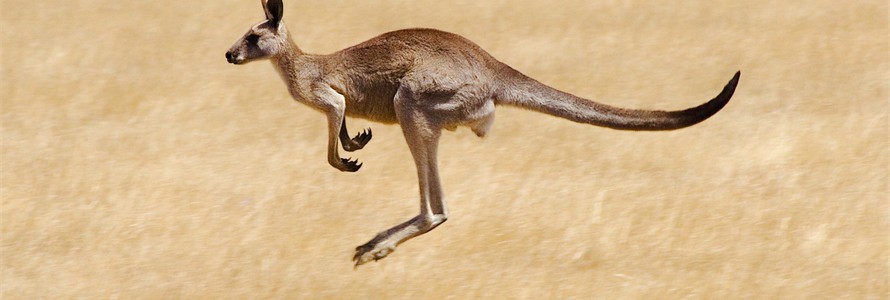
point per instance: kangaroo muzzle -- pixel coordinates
(230, 57)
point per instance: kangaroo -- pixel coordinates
(425, 80)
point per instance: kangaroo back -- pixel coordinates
(528, 93)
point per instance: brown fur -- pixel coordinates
(426, 80)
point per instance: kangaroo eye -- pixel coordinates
(253, 38)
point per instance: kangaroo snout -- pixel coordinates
(230, 58)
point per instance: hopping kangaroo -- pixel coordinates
(425, 80)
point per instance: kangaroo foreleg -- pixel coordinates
(356, 143)
(333, 104)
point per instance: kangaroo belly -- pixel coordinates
(375, 104)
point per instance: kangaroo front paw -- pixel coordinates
(359, 141)
(348, 165)
(372, 251)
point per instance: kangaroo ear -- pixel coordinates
(274, 10)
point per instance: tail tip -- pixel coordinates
(730, 87)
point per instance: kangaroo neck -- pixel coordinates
(288, 56)
(295, 67)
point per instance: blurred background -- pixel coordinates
(137, 163)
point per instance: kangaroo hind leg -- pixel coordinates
(422, 136)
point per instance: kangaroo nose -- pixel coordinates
(229, 57)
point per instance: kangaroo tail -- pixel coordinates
(528, 93)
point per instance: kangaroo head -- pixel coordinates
(264, 40)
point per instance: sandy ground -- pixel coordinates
(136, 163)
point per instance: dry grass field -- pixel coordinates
(137, 163)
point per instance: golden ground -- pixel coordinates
(136, 163)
